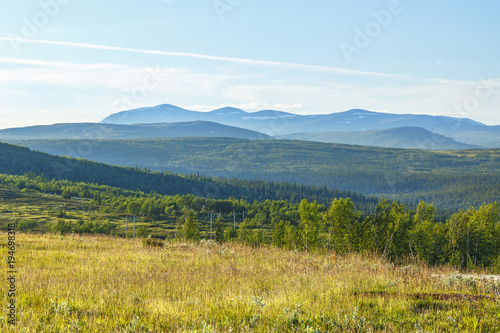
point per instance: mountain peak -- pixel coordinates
(228, 110)
(161, 107)
(282, 123)
(272, 113)
(362, 111)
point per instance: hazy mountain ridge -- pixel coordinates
(137, 131)
(401, 137)
(360, 127)
(276, 123)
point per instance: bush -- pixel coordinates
(152, 242)
(62, 227)
(27, 225)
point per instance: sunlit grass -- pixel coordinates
(104, 284)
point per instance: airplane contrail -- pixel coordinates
(204, 56)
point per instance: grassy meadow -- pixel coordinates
(47, 209)
(93, 283)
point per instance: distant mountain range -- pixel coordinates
(359, 127)
(401, 137)
(276, 123)
(138, 131)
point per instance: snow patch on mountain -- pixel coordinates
(267, 117)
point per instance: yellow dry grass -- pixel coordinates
(105, 284)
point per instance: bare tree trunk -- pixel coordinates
(388, 242)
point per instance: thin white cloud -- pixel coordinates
(58, 89)
(66, 65)
(45, 111)
(325, 69)
(65, 75)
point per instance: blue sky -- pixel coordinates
(78, 61)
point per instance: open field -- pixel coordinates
(105, 284)
(46, 209)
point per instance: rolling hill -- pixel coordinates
(138, 131)
(402, 137)
(16, 160)
(449, 179)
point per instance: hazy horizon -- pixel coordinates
(71, 61)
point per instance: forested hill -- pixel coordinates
(451, 180)
(402, 137)
(16, 160)
(137, 131)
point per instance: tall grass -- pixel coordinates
(104, 284)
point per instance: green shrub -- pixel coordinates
(152, 242)
(27, 225)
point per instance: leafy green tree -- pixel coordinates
(85, 227)
(391, 229)
(260, 219)
(66, 193)
(258, 237)
(105, 228)
(278, 233)
(143, 231)
(428, 237)
(340, 222)
(219, 230)
(309, 226)
(27, 225)
(134, 207)
(473, 236)
(191, 226)
(292, 237)
(170, 210)
(484, 247)
(398, 244)
(245, 233)
(362, 235)
(146, 207)
(381, 221)
(230, 234)
(458, 226)
(62, 226)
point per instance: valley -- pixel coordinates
(234, 166)
(215, 203)
(450, 179)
